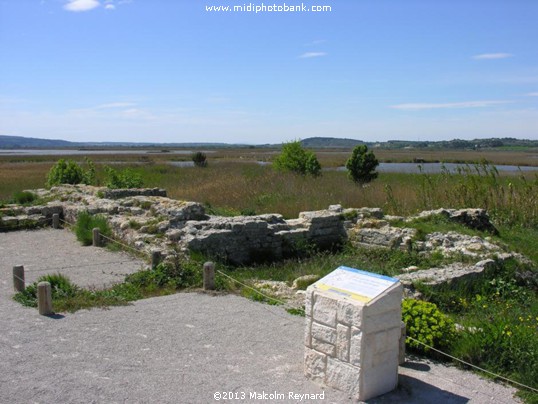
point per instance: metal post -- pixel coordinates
(18, 278)
(209, 276)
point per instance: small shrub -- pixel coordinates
(85, 225)
(199, 159)
(122, 179)
(176, 275)
(24, 197)
(361, 165)
(298, 160)
(248, 212)
(426, 324)
(61, 287)
(70, 172)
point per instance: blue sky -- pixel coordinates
(170, 71)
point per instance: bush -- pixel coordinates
(361, 165)
(298, 160)
(123, 179)
(24, 197)
(85, 225)
(176, 275)
(199, 159)
(70, 172)
(426, 324)
(60, 285)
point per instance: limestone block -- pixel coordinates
(309, 302)
(315, 365)
(348, 313)
(323, 347)
(324, 310)
(308, 332)
(379, 380)
(324, 333)
(373, 324)
(343, 335)
(383, 340)
(356, 347)
(343, 376)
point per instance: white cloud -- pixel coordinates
(490, 56)
(532, 94)
(308, 55)
(81, 5)
(110, 7)
(465, 104)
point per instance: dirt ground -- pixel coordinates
(183, 348)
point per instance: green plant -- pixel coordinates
(85, 225)
(61, 287)
(178, 274)
(122, 179)
(70, 172)
(199, 159)
(24, 197)
(296, 159)
(425, 323)
(361, 165)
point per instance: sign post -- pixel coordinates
(353, 328)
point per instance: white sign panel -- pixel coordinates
(355, 284)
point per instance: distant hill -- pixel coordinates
(330, 142)
(20, 142)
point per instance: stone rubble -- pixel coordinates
(147, 220)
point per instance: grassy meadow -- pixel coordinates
(233, 183)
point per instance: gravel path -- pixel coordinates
(174, 349)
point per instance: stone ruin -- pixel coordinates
(147, 220)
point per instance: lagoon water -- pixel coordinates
(408, 168)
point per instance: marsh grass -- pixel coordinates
(239, 186)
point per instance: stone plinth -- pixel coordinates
(353, 328)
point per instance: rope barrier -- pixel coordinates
(261, 293)
(474, 366)
(20, 279)
(128, 247)
(111, 239)
(76, 266)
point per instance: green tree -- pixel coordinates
(361, 165)
(298, 160)
(199, 159)
(122, 179)
(70, 172)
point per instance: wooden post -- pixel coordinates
(44, 298)
(55, 221)
(18, 278)
(155, 258)
(96, 237)
(402, 343)
(209, 276)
